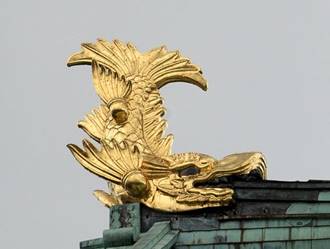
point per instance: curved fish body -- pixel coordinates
(134, 155)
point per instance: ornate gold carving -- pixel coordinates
(134, 156)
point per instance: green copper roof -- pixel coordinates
(266, 215)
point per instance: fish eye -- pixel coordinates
(119, 111)
(119, 115)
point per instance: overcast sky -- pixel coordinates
(268, 68)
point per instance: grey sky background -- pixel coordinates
(268, 69)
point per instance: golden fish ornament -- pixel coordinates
(133, 154)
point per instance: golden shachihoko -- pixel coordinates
(133, 154)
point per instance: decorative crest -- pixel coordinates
(133, 155)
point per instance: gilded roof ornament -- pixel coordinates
(133, 154)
